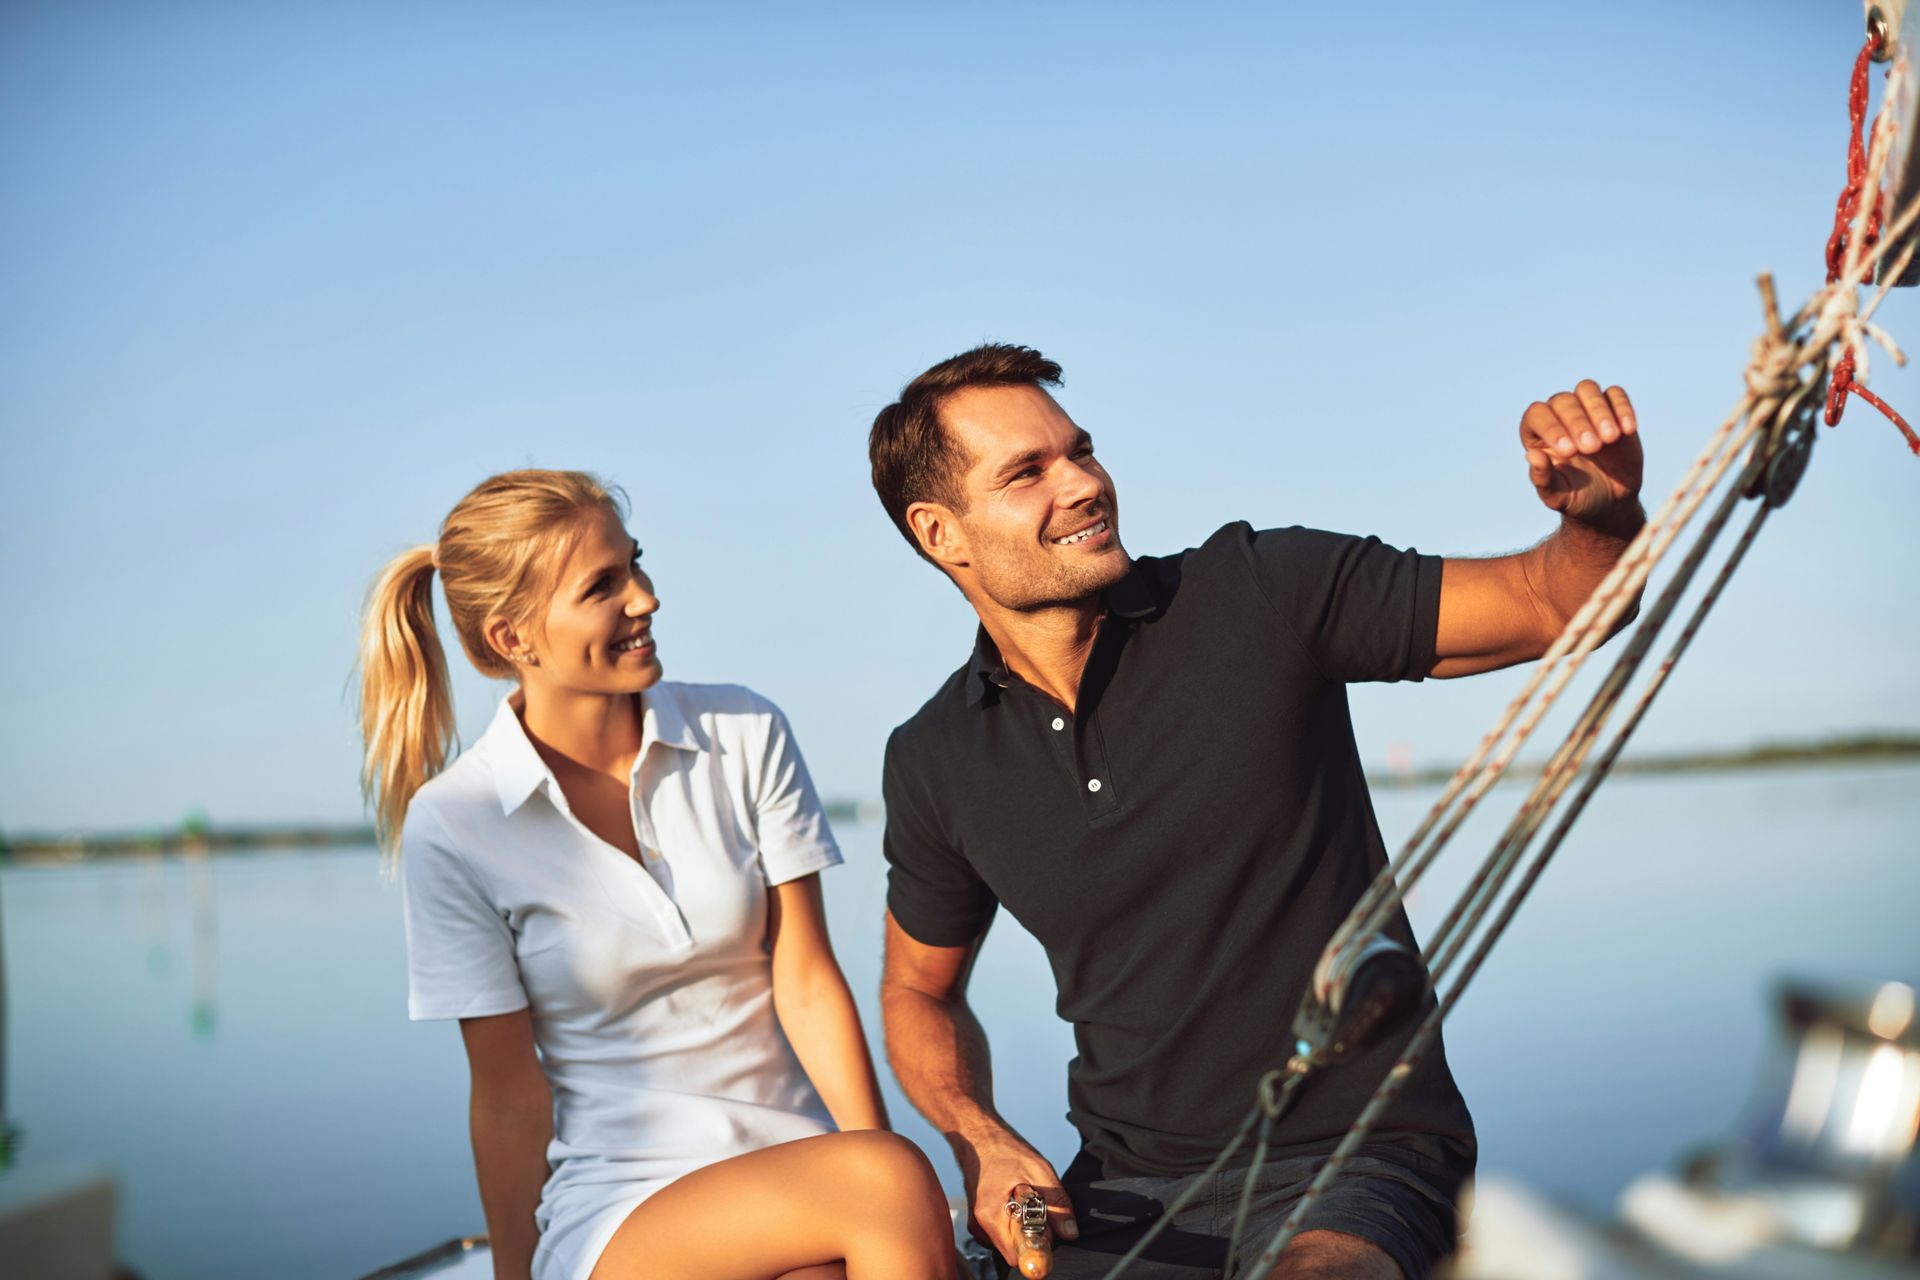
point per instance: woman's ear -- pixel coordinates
(505, 639)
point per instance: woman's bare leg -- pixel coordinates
(825, 1271)
(866, 1200)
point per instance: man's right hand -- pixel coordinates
(993, 1164)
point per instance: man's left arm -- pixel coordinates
(1583, 457)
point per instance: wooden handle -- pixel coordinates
(1033, 1237)
(1035, 1259)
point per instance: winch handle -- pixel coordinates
(1032, 1238)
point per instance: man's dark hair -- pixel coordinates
(914, 457)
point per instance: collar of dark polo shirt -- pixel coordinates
(1131, 598)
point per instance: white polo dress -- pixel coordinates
(650, 982)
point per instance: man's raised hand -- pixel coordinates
(1583, 451)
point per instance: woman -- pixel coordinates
(621, 874)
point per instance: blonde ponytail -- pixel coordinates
(406, 706)
(498, 551)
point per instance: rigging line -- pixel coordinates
(1554, 782)
(1281, 1104)
(1773, 364)
(1816, 303)
(1582, 636)
(1775, 360)
(1862, 200)
(1490, 868)
(1186, 1197)
(1397, 1075)
(1604, 765)
(1246, 1198)
(1836, 319)
(1477, 775)
(1842, 245)
(1405, 870)
(1900, 264)
(1271, 1109)
(1567, 757)
(1394, 880)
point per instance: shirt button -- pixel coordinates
(1058, 723)
(1093, 784)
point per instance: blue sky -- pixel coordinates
(283, 281)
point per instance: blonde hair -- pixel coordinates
(498, 551)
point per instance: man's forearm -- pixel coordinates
(1564, 570)
(939, 1054)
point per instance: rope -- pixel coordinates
(1772, 423)
(1835, 319)
(1417, 1046)
(1843, 246)
(1847, 208)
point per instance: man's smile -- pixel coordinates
(1094, 530)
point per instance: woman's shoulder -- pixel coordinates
(450, 803)
(725, 708)
(743, 728)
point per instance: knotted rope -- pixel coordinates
(1772, 425)
(1844, 247)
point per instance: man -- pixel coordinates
(1151, 764)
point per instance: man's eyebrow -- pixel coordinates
(1019, 461)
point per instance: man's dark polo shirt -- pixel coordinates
(1184, 845)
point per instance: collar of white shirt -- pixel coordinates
(518, 770)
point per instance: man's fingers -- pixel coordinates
(1579, 428)
(999, 1221)
(1059, 1206)
(1599, 409)
(1059, 1211)
(1540, 469)
(993, 1226)
(1623, 410)
(1541, 428)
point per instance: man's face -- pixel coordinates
(1041, 526)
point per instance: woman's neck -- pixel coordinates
(596, 731)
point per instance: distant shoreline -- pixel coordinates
(38, 848)
(1862, 749)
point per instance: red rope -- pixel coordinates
(1846, 210)
(1848, 206)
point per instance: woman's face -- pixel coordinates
(597, 633)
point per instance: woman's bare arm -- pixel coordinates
(511, 1116)
(816, 1009)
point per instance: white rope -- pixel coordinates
(1780, 365)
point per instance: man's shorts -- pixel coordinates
(1375, 1197)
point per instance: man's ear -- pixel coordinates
(938, 532)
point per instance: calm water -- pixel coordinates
(231, 1035)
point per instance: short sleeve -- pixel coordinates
(933, 892)
(460, 958)
(789, 820)
(1362, 609)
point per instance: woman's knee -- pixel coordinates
(889, 1165)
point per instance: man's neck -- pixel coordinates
(1047, 648)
